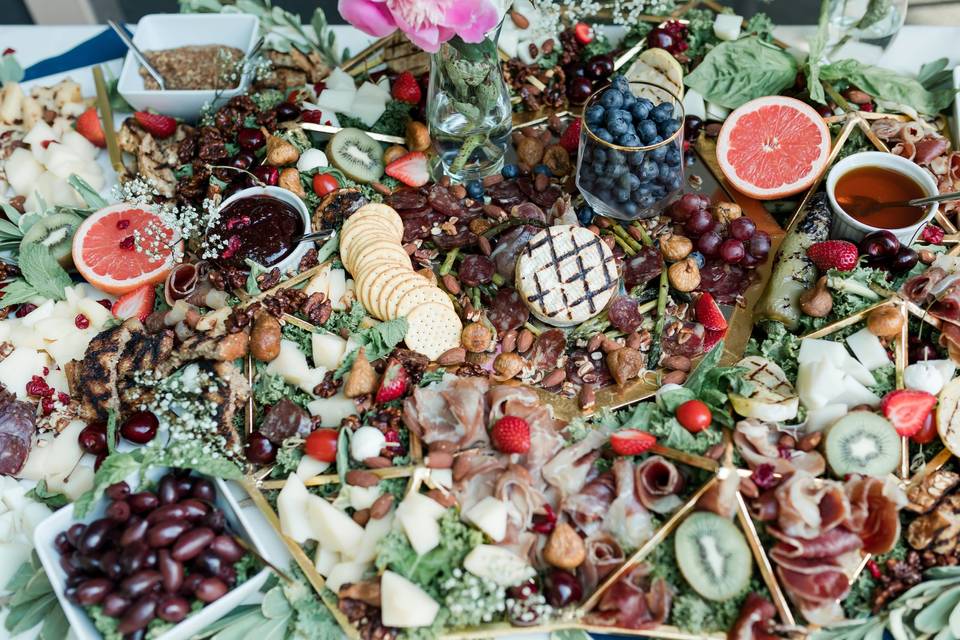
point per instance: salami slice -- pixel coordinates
(643, 267)
(407, 199)
(16, 434)
(443, 201)
(505, 194)
(462, 238)
(547, 349)
(547, 197)
(624, 314)
(725, 282)
(507, 310)
(476, 270)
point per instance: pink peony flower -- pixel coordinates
(427, 23)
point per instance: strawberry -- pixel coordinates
(406, 89)
(709, 314)
(136, 304)
(833, 254)
(583, 33)
(932, 234)
(156, 124)
(394, 382)
(88, 125)
(631, 442)
(570, 140)
(907, 409)
(711, 338)
(511, 435)
(410, 169)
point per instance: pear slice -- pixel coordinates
(659, 67)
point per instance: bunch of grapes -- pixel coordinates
(735, 242)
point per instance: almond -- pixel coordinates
(509, 342)
(378, 462)
(443, 498)
(676, 363)
(748, 488)
(444, 446)
(361, 478)
(450, 284)
(595, 342)
(554, 378)
(519, 19)
(439, 460)
(810, 441)
(524, 340)
(457, 355)
(674, 377)
(381, 506)
(588, 397)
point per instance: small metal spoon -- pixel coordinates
(323, 234)
(142, 59)
(865, 205)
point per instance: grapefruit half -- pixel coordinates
(773, 147)
(108, 255)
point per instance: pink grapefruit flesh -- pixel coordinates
(108, 254)
(773, 147)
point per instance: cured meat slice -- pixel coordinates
(627, 520)
(587, 508)
(624, 314)
(547, 349)
(445, 202)
(17, 426)
(756, 615)
(875, 505)
(757, 443)
(635, 601)
(567, 471)
(451, 410)
(658, 483)
(507, 310)
(642, 268)
(516, 488)
(407, 199)
(603, 556)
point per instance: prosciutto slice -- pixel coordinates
(603, 556)
(451, 410)
(545, 438)
(721, 498)
(756, 615)
(757, 443)
(475, 477)
(830, 543)
(568, 470)
(515, 487)
(587, 508)
(874, 512)
(658, 483)
(808, 506)
(627, 520)
(634, 601)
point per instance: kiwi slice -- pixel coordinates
(862, 442)
(55, 233)
(713, 556)
(359, 156)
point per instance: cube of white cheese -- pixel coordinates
(868, 350)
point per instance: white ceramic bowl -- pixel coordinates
(293, 260)
(845, 227)
(169, 30)
(80, 622)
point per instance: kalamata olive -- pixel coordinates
(62, 543)
(194, 509)
(173, 608)
(118, 491)
(184, 486)
(228, 574)
(75, 532)
(190, 584)
(170, 570)
(114, 604)
(110, 564)
(166, 512)
(119, 511)
(143, 501)
(190, 544)
(141, 582)
(95, 535)
(135, 530)
(165, 533)
(138, 615)
(562, 588)
(133, 557)
(140, 427)
(227, 548)
(92, 591)
(68, 562)
(204, 490)
(287, 111)
(71, 593)
(215, 520)
(209, 563)
(88, 563)
(75, 579)
(211, 589)
(139, 634)
(167, 490)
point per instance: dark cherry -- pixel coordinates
(579, 89)
(879, 244)
(691, 127)
(660, 39)
(140, 428)
(243, 160)
(904, 260)
(287, 111)
(923, 351)
(61, 543)
(267, 175)
(251, 139)
(600, 67)
(259, 449)
(575, 70)
(93, 438)
(118, 491)
(562, 589)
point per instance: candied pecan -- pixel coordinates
(267, 119)
(470, 370)
(328, 388)
(212, 146)
(415, 363)
(269, 279)
(351, 422)
(317, 308)
(309, 259)
(187, 148)
(239, 319)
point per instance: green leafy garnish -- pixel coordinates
(377, 341)
(736, 72)
(40, 493)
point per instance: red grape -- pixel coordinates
(731, 251)
(760, 245)
(251, 139)
(699, 222)
(709, 243)
(742, 228)
(749, 261)
(259, 449)
(140, 427)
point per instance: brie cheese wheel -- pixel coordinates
(566, 275)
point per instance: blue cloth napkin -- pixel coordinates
(102, 47)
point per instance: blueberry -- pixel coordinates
(622, 195)
(647, 130)
(603, 134)
(475, 189)
(640, 193)
(635, 158)
(617, 126)
(615, 157)
(672, 157)
(620, 83)
(599, 153)
(544, 169)
(661, 112)
(628, 100)
(657, 191)
(611, 99)
(625, 114)
(664, 172)
(623, 181)
(594, 114)
(630, 208)
(647, 201)
(656, 140)
(634, 181)
(587, 170)
(659, 153)
(603, 195)
(648, 170)
(605, 182)
(698, 258)
(674, 182)
(629, 140)
(668, 127)
(585, 215)
(641, 109)
(510, 171)
(616, 170)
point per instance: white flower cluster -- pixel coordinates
(472, 600)
(531, 609)
(629, 12)
(554, 13)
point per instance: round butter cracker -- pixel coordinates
(421, 295)
(432, 329)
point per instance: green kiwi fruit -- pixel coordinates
(713, 556)
(359, 156)
(55, 232)
(862, 442)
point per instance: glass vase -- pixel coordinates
(470, 114)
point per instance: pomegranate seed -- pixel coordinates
(81, 321)
(25, 309)
(46, 143)
(106, 304)
(127, 243)
(123, 224)
(38, 387)
(233, 244)
(63, 398)
(874, 569)
(46, 406)
(8, 51)
(866, 107)
(46, 371)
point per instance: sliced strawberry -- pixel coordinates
(583, 33)
(709, 314)
(88, 125)
(394, 383)
(156, 124)
(834, 254)
(511, 435)
(631, 442)
(570, 140)
(711, 338)
(406, 89)
(136, 304)
(410, 169)
(907, 409)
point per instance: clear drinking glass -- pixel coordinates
(626, 182)
(873, 22)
